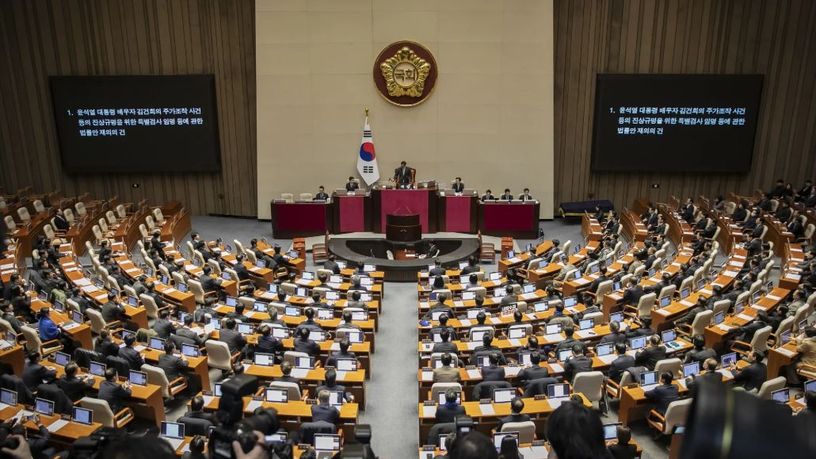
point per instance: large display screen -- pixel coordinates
(675, 123)
(149, 124)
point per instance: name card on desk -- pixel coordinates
(726, 373)
(458, 303)
(730, 273)
(583, 334)
(208, 399)
(785, 352)
(662, 312)
(515, 342)
(773, 297)
(745, 317)
(724, 327)
(341, 375)
(556, 402)
(687, 304)
(554, 338)
(512, 370)
(170, 290)
(465, 322)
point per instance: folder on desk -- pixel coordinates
(486, 409)
(57, 425)
(556, 368)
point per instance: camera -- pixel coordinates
(221, 439)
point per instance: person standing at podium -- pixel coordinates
(403, 175)
(458, 185)
(507, 196)
(525, 196)
(352, 185)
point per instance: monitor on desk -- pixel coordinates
(113, 291)
(156, 343)
(266, 360)
(558, 390)
(652, 272)
(133, 301)
(524, 358)
(346, 364)
(317, 336)
(327, 442)
(331, 295)
(138, 378)
(684, 293)
(58, 306)
(292, 254)
(739, 307)
(61, 358)
(301, 292)
(570, 301)
(231, 301)
(564, 354)
(503, 395)
(691, 369)
(272, 288)
(369, 268)
(77, 317)
(668, 335)
(365, 297)
(341, 264)
(478, 335)
(304, 362)
(541, 306)
(769, 286)
(528, 288)
(719, 318)
(638, 342)
(174, 430)
(552, 329)
(245, 329)
(217, 389)
(292, 311)
(280, 332)
(164, 280)
(511, 253)
(367, 281)
(483, 361)
(586, 324)
(616, 286)
(275, 395)
(441, 400)
(82, 415)
(354, 336)
(359, 316)
(189, 350)
(616, 317)
(593, 268)
(517, 332)
(463, 265)
(215, 323)
(307, 275)
(97, 369)
(604, 349)
(781, 395)
(182, 287)
(336, 398)
(325, 314)
(728, 359)
(498, 438)
(11, 337)
(226, 276)
(494, 276)
(9, 397)
(809, 386)
(664, 301)
(577, 274)
(43, 406)
(259, 306)
(700, 283)
(648, 378)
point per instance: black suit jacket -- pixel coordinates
(325, 413)
(233, 338)
(458, 187)
(710, 376)
(531, 373)
(111, 311)
(106, 348)
(752, 376)
(74, 388)
(575, 365)
(700, 356)
(61, 223)
(619, 365)
(402, 175)
(164, 328)
(351, 186)
(172, 365)
(201, 415)
(623, 451)
(308, 346)
(241, 271)
(132, 356)
(189, 334)
(512, 418)
(445, 413)
(33, 374)
(445, 346)
(492, 373)
(662, 395)
(649, 356)
(114, 394)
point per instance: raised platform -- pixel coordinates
(375, 250)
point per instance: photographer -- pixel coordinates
(16, 445)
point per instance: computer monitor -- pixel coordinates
(82, 415)
(226, 276)
(577, 275)
(552, 329)
(784, 338)
(9, 397)
(594, 268)
(616, 317)
(586, 324)
(275, 395)
(215, 323)
(327, 442)
(173, 430)
(97, 369)
(503, 395)
(113, 291)
(478, 335)
(611, 431)
(336, 398)
(58, 306)
(190, 350)
(719, 318)
(304, 362)
(346, 364)
(217, 389)
(665, 301)
(292, 254)
(280, 332)
(564, 354)
(331, 295)
(728, 359)
(769, 285)
(231, 301)
(156, 343)
(498, 438)
(616, 286)
(637, 343)
(781, 395)
(668, 335)
(558, 390)
(301, 291)
(604, 349)
(541, 306)
(61, 358)
(442, 398)
(133, 301)
(739, 307)
(648, 378)
(369, 268)
(266, 360)
(77, 317)
(511, 253)
(483, 361)
(245, 329)
(463, 264)
(528, 288)
(259, 306)
(756, 296)
(570, 301)
(809, 386)
(276, 438)
(691, 369)
(317, 336)
(516, 332)
(684, 293)
(494, 276)
(165, 280)
(325, 314)
(138, 378)
(182, 287)
(292, 311)
(260, 264)
(43, 406)
(354, 336)
(272, 288)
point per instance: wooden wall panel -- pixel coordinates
(39, 38)
(776, 38)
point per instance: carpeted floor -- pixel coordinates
(392, 390)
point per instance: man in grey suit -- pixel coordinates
(446, 373)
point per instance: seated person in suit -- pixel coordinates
(700, 353)
(200, 245)
(752, 376)
(34, 372)
(321, 194)
(493, 372)
(60, 221)
(163, 326)
(355, 301)
(710, 373)
(322, 411)
(112, 392)
(439, 306)
(488, 196)
(623, 449)
(286, 373)
(331, 264)
(534, 371)
(133, 357)
(507, 196)
(105, 345)
(525, 196)
(448, 411)
(621, 362)
(437, 269)
(649, 356)
(330, 384)
(175, 367)
(403, 175)
(510, 295)
(309, 324)
(352, 184)
(457, 185)
(516, 407)
(304, 344)
(197, 410)
(664, 393)
(447, 372)
(342, 353)
(237, 313)
(569, 341)
(268, 343)
(208, 283)
(8, 315)
(560, 318)
(444, 345)
(74, 387)
(187, 331)
(112, 311)
(234, 339)
(487, 348)
(578, 363)
(615, 336)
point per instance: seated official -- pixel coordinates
(186, 331)
(34, 372)
(623, 448)
(197, 410)
(754, 375)
(621, 362)
(304, 344)
(578, 363)
(133, 357)
(60, 221)
(352, 184)
(493, 372)
(710, 373)
(615, 336)
(525, 195)
(664, 393)
(175, 367)
(444, 345)
(105, 346)
(331, 264)
(111, 311)
(507, 196)
(534, 371)
(73, 386)
(448, 411)
(112, 392)
(487, 348)
(516, 408)
(237, 313)
(286, 374)
(569, 341)
(403, 175)
(700, 353)
(234, 339)
(240, 269)
(342, 353)
(457, 185)
(268, 343)
(309, 324)
(488, 196)
(323, 411)
(208, 283)
(330, 384)
(321, 194)
(447, 372)
(163, 326)
(200, 245)
(439, 307)
(652, 354)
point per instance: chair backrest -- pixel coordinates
(197, 289)
(589, 383)
(603, 288)
(158, 215)
(306, 196)
(150, 223)
(309, 429)
(218, 354)
(80, 208)
(143, 231)
(11, 225)
(721, 306)
(292, 389)
(149, 303)
(667, 291)
(156, 375)
(216, 268)
(120, 211)
(177, 277)
(49, 231)
(645, 304)
(91, 251)
(442, 387)
(112, 283)
(111, 217)
(454, 358)
(195, 426)
(701, 321)
(97, 232)
(288, 288)
(97, 321)
(676, 414)
(760, 340)
(771, 385)
(25, 217)
(32, 339)
(525, 429)
(566, 247)
(800, 315)
(102, 412)
(103, 225)
(6, 326)
(674, 366)
(288, 197)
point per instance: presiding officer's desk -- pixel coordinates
(518, 219)
(300, 218)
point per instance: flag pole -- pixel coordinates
(366, 111)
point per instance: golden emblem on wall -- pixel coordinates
(405, 73)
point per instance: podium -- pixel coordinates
(389, 201)
(403, 228)
(352, 211)
(458, 212)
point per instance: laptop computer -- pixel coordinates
(82, 415)
(648, 380)
(226, 276)
(8, 397)
(325, 314)
(307, 275)
(665, 301)
(336, 398)
(259, 306)
(570, 301)
(616, 317)
(728, 359)
(182, 287)
(138, 378)
(217, 389)
(133, 301)
(691, 369)
(611, 431)
(245, 329)
(304, 362)
(276, 395)
(231, 301)
(156, 343)
(61, 358)
(564, 354)
(190, 350)
(558, 390)
(781, 395)
(346, 364)
(441, 400)
(326, 445)
(586, 324)
(173, 432)
(266, 360)
(97, 369)
(637, 343)
(517, 332)
(44, 407)
(669, 336)
(503, 395)
(498, 438)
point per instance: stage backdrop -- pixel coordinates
(489, 120)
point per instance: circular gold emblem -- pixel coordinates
(405, 73)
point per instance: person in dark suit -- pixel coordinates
(615, 336)
(186, 331)
(440, 307)
(507, 196)
(710, 374)
(105, 345)
(197, 410)
(162, 325)
(623, 449)
(111, 311)
(133, 357)
(233, 338)
(173, 366)
(700, 353)
(309, 324)
(632, 294)
(437, 270)
(516, 407)
(621, 363)
(593, 287)
(74, 387)
(157, 244)
(237, 313)
(444, 345)
(752, 376)
(747, 331)
(33, 372)
(330, 384)
(267, 343)
(112, 392)
(321, 194)
(352, 185)
(403, 175)
(493, 372)
(569, 341)
(240, 269)
(488, 196)
(208, 283)
(448, 411)
(200, 245)
(458, 186)
(664, 393)
(322, 411)
(654, 352)
(534, 371)
(7, 314)
(60, 221)
(487, 348)
(447, 372)
(304, 344)
(578, 363)
(342, 353)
